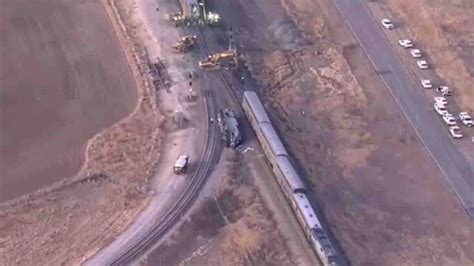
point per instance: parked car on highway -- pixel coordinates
(455, 132)
(441, 100)
(466, 119)
(426, 84)
(405, 43)
(386, 23)
(449, 119)
(444, 90)
(440, 108)
(415, 53)
(422, 64)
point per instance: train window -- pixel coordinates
(300, 190)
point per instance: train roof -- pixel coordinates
(307, 210)
(257, 107)
(273, 140)
(323, 239)
(290, 174)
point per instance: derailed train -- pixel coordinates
(288, 179)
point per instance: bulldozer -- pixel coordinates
(184, 44)
(227, 59)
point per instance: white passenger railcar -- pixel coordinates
(288, 179)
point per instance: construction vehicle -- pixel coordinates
(181, 164)
(227, 59)
(229, 127)
(184, 44)
(193, 12)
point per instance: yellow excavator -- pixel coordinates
(227, 59)
(184, 44)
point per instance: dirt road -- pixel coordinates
(63, 78)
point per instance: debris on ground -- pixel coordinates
(69, 222)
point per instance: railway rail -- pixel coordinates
(191, 190)
(177, 210)
(205, 49)
(284, 170)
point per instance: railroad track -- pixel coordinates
(183, 203)
(205, 47)
(191, 190)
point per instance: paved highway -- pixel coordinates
(415, 106)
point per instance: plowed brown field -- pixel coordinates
(63, 78)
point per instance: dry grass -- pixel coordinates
(378, 190)
(234, 228)
(335, 97)
(72, 220)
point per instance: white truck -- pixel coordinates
(181, 164)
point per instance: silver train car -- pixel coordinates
(288, 179)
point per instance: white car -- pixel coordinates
(415, 53)
(426, 84)
(455, 132)
(405, 43)
(466, 119)
(422, 64)
(444, 90)
(441, 100)
(386, 23)
(440, 109)
(181, 164)
(449, 119)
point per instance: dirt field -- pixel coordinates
(63, 79)
(384, 199)
(70, 221)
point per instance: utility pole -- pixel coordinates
(231, 33)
